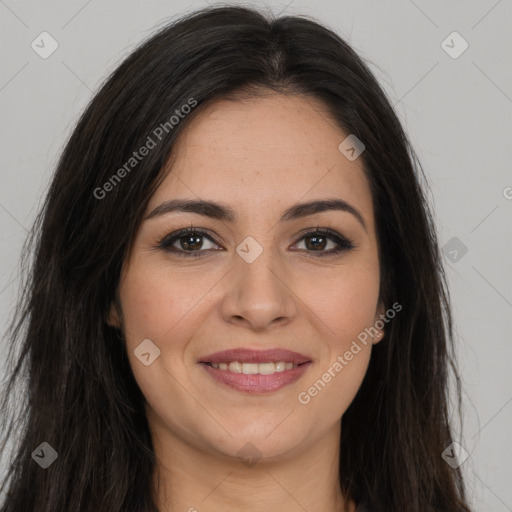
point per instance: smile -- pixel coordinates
(256, 371)
(254, 368)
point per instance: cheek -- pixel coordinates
(345, 313)
(163, 308)
(344, 305)
(344, 301)
(334, 383)
(158, 304)
(146, 304)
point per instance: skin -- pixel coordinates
(259, 156)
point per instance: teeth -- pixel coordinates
(254, 368)
(250, 368)
(235, 367)
(281, 366)
(266, 368)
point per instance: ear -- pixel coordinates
(378, 337)
(114, 317)
(379, 323)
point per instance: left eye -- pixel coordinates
(318, 242)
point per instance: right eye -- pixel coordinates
(186, 242)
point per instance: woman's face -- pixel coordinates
(253, 278)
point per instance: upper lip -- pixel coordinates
(245, 355)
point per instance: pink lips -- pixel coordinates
(255, 356)
(256, 383)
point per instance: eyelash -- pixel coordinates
(165, 244)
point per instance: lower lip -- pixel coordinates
(256, 383)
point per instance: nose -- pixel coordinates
(258, 295)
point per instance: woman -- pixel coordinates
(237, 300)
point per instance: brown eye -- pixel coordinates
(321, 239)
(316, 242)
(189, 240)
(195, 242)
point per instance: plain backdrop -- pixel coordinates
(456, 108)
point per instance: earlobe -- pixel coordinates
(379, 323)
(113, 317)
(378, 337)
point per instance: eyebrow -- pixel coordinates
(221, 211)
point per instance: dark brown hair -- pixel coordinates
(71, 384)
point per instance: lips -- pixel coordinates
(244, 355)
(244, 370)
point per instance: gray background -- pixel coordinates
(457, 112)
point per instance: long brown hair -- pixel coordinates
(70, 382)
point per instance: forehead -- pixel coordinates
(270, 151)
